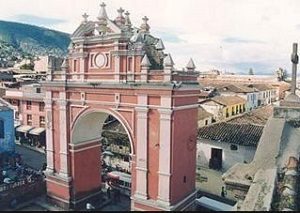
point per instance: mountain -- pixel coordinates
(33, 40)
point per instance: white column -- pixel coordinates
(63, 135)
(165, 152)
(142, 145)
(117, 68)
(81, 68)
(49, 133)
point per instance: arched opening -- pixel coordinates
(102, 148)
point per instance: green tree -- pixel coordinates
(281, 74)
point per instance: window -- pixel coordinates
(75, 66)
(41, 106)
(17, 115)
(232, 111)
(92, 60)
(184, 179)
(38, 90)
(29, 120)
(28, 105)
(233, 147)
(206, 122)
(107, 59)
(130, 64)
(227, 114)
(42, 121)
(1, 129)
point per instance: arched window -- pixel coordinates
(1, 129)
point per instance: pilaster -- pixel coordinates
(49, 133)
(165, 152)
(142, 149)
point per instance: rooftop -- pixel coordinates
(258, 116)
(241, 134)
(228, 100)
(202, 113)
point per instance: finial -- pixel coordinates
(120, 20)
(85, 18)
(102, 13)
(102, 4)
(120, 11)
(145, 19)
(191, 65)
(145, 26)
(127, 20)
(145, 61)
(160, 45)
(168, 61)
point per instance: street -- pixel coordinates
(32, 158)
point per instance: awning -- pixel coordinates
(16, 125)
(24, 128)
(37, 131)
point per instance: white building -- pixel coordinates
(220, 146)
(249, 94)
(204, 118)
(267, 94)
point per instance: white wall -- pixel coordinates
(230, 157)
(201, 123)
(212, 108)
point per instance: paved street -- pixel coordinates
(30, 157)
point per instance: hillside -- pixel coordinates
(33, 40)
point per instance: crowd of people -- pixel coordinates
(13, 170)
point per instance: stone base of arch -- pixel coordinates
(84, 183)
(186, 204)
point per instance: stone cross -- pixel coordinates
(120, 11)
(85, 17)
(145, 19)
(294, 60)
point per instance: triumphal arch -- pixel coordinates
(113, 68)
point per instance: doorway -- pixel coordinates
(215, 161)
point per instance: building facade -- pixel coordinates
(29, 113)
(224, 107)
(114, 69)
(7, 130)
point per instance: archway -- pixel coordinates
(90, 172)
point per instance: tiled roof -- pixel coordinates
(234, 88)
(261, 87)
(241, 134)
(229, 100)
(258, 116)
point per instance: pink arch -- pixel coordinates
(117, 115)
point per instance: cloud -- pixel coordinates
(37, 20)
(168, 36)
(240, 40)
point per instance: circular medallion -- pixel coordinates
(100, 60)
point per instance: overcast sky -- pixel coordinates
(231, 35)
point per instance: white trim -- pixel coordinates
(142, 148)
(164, 182)
(49, 132)
(63, 142)
(106, 103)
(85, 148)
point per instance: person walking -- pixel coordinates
(223, 193)
(108, 192)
